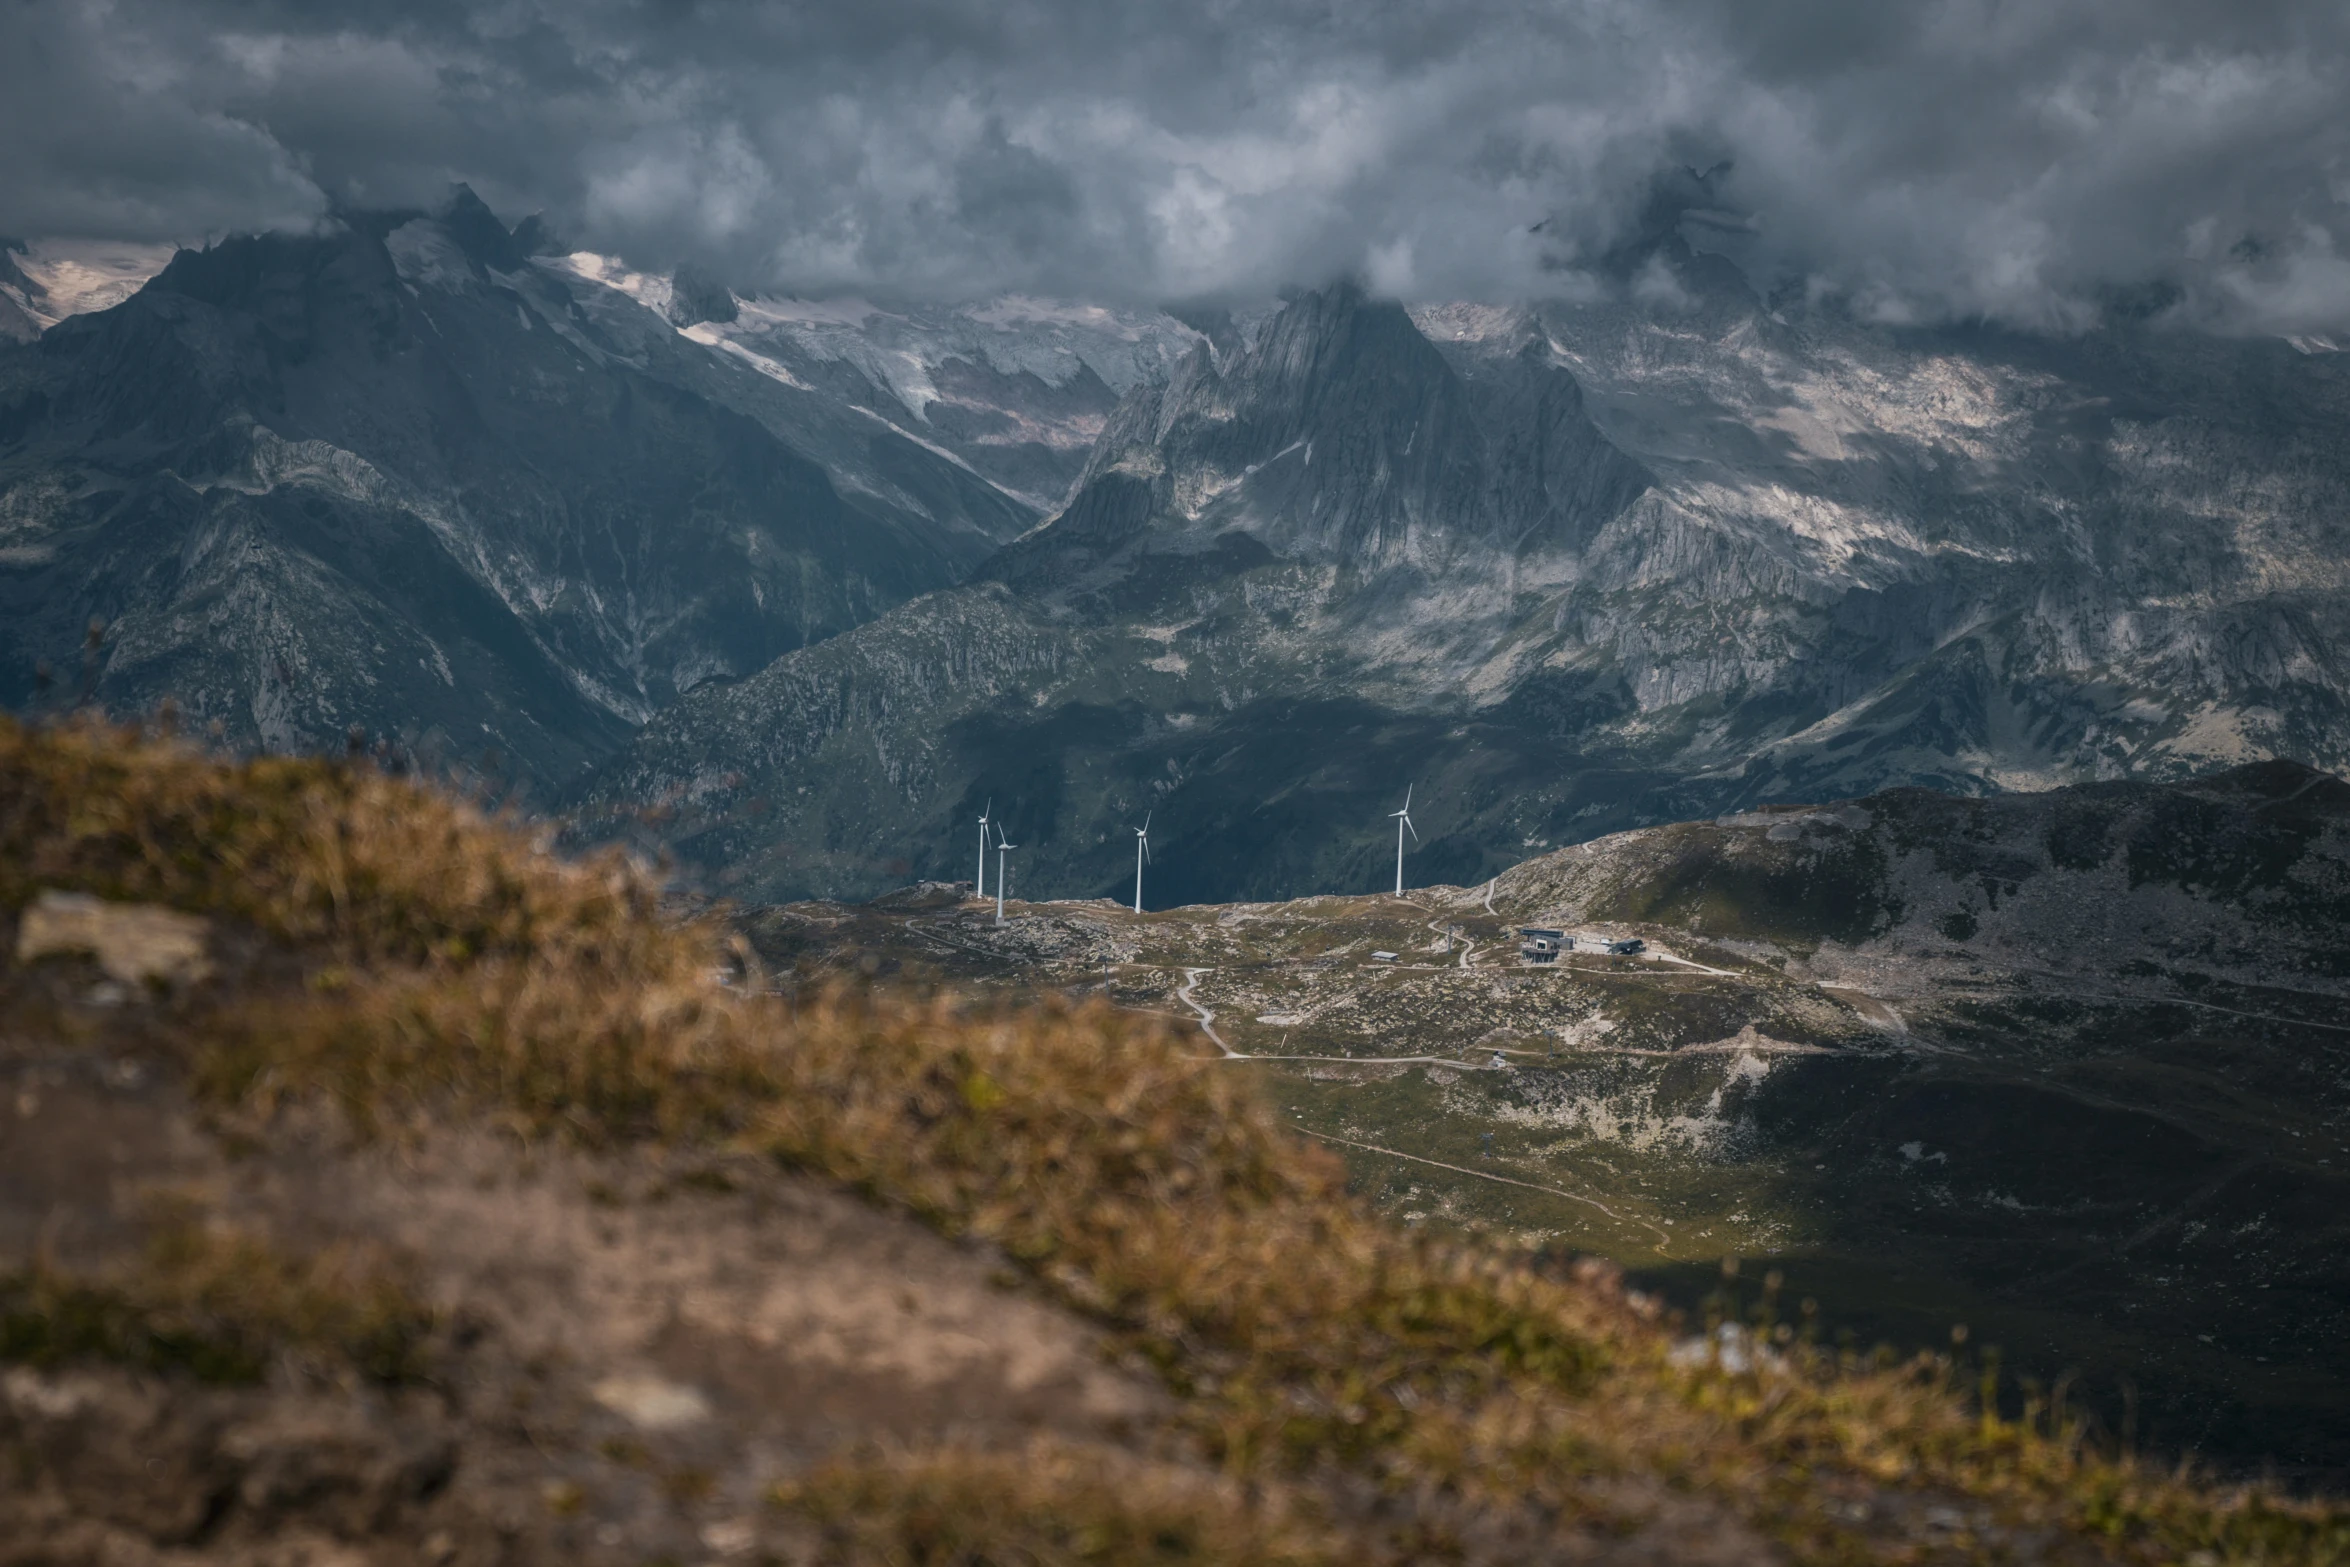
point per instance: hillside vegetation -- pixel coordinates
(2065, 1070)
(390, 968)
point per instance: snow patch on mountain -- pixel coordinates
(73, 277)
(711, 334)
(647, 289)
(907, 354)
(1053, 340)
(1015, 389)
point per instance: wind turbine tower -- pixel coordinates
(1142, 850)
(1001, 848)
(979, 887)
(1403, 824)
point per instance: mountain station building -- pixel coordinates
(1543, 946)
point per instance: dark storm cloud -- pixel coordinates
(2027, 162)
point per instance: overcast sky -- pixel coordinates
(2016, 158)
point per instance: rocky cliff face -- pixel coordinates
(409, 478)
(1960, 557)
(1340, 438)
(1572, 569)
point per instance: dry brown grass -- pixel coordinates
(1050, 1505)
(329, 856)
(223, 1305)
(1430, 1395)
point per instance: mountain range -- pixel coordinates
(407, 478)
(1564, 570)
(794, 590)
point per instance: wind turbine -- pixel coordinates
(1142, 850)
(980, 886)
(1000, 848)
(1403, 824)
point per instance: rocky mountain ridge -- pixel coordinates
(2001, 560)
(1570, 569)
(1330, 512)
(1567, 567)
(407, 478)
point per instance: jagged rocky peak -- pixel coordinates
(1330, 361)
(696, 297)
(1334, 337)
(1341, 433)
(475, 228)
(534, 237)
(459, 245)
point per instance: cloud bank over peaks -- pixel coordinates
(1969, 158)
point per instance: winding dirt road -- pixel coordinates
(1663, 1239)
(1207, 1023)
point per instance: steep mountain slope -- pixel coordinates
(21, 296)
(1963, 557)
(1017, 388)
(1570, 569)
(405, 478)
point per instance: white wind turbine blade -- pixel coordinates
(1414, 831)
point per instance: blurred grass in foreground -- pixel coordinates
(1366, 1393)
